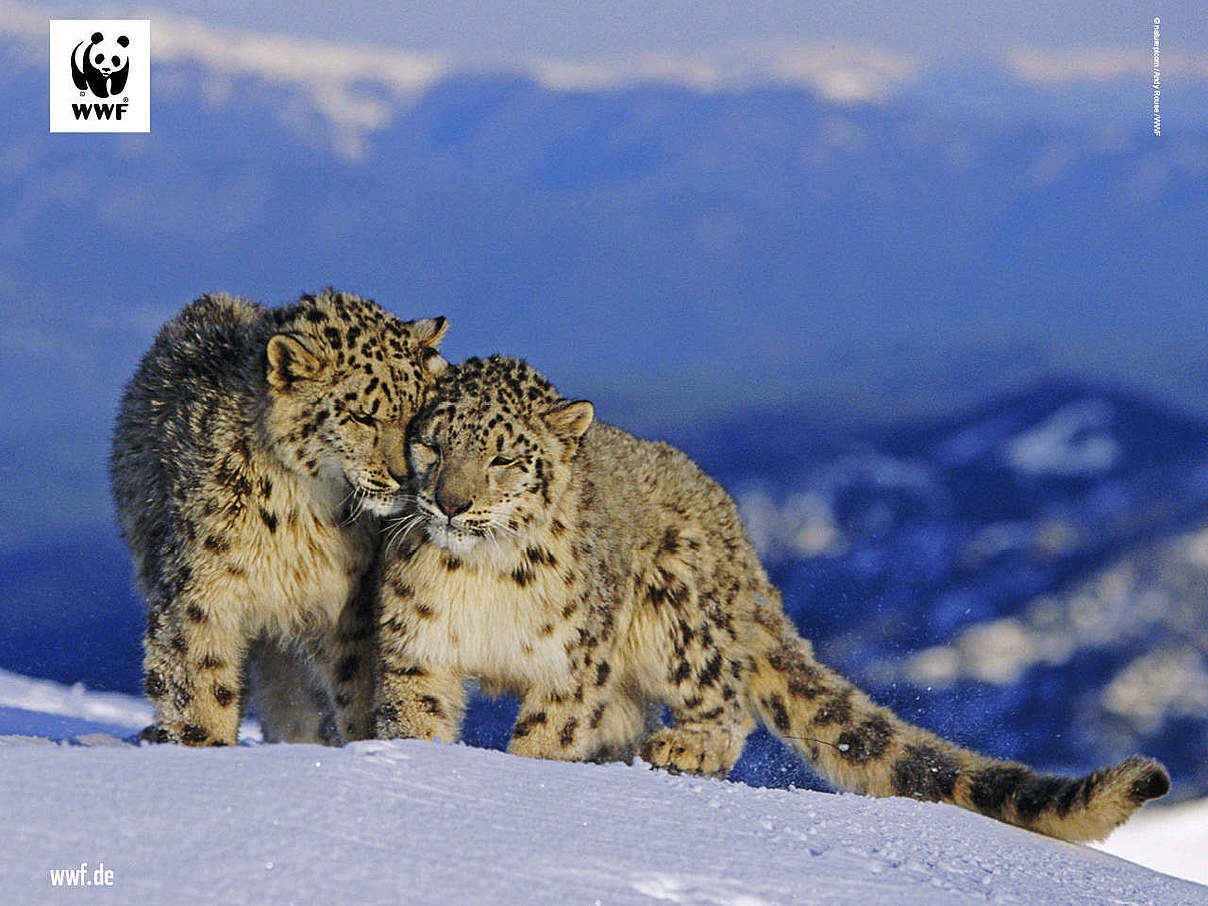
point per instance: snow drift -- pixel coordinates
(418, 822)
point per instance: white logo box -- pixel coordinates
(109, 94)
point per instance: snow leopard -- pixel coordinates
(254, 451)
(601, 577)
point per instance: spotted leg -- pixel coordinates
(588, 718)
(193, 665)
(418, 703)
(704, 686)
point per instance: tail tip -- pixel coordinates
(1151, 782)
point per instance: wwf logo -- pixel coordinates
(100, 75)
(101, 65)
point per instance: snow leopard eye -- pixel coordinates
(361, 418)
(502, 462)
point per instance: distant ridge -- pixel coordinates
(358, 89)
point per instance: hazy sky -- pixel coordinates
(501, 30)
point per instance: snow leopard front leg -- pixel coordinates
(415, 702)
(193, 662)
(588, 717)
(414, 699)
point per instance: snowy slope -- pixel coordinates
(1173, 840)
(418, 822)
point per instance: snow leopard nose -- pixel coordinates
(455, 488)
(452, 507)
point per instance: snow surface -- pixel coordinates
(1173, 840)
(416, 822)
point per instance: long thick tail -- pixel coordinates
(862, 747)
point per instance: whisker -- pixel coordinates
(360, 496)
(399, 527)
(506, 530)
(352, 511)
(490, 530)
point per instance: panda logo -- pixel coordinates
(102, 66)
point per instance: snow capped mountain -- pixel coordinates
(358, 90)
(1075, 440)
(839, 72)
(1103, 64)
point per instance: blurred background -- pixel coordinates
(918, 284)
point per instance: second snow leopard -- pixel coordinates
(254, 450)
(599, 577)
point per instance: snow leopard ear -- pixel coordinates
(290, 361)
(428, 333)
(571, 418)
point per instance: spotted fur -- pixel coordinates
(600, 577)
(254, 450)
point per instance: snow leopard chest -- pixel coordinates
(291, 557)
(512, 624)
